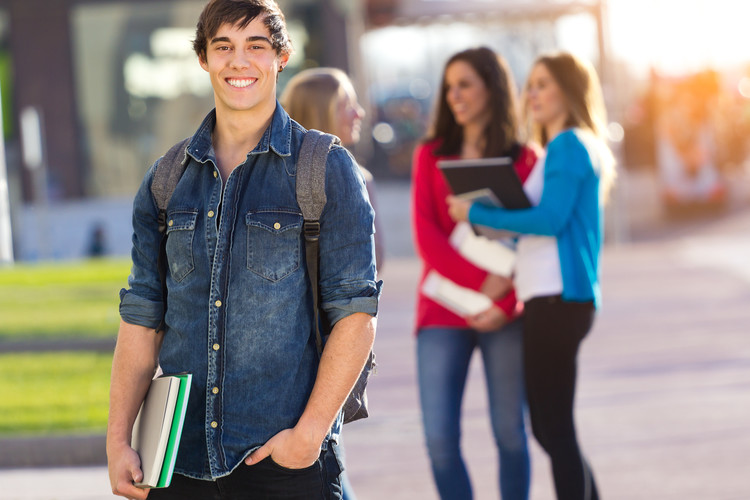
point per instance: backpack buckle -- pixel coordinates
(312, 230)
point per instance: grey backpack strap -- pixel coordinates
(311, 173)
(311, 198)
(169, 170)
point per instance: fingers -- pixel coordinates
(126, 488)
(259, 454)
(124, 470)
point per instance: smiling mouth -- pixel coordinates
(241, 82)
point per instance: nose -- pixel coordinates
(240, 60)
(360, 111)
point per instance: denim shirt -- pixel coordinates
(239, 315)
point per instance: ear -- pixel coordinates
(202, 61)
(283, 59)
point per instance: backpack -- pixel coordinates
(311, 198)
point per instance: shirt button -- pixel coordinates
(217, 303)
(170, 223)
(210, 213)
(214, 424)
(277, 226)
(215, 390)
(216, 174)
(216, 347)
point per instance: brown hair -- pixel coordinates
(241, 13)
(501, 133)
(582, 93)
(311, 97)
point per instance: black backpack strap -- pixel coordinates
(168, 172)
(311, 198)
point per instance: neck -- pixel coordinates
(238, 132)
(473, 145)
(554, 128)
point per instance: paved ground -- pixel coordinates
(664, 392)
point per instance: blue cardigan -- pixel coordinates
(570, 209)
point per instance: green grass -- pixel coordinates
(54, 393)
(61, 299)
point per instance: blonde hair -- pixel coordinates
(311, 97)
(579, 84)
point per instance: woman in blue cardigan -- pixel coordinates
(557, 270)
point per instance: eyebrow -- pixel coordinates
(257, 38)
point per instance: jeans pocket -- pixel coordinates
(312, 469)
(179, 248)
(273, 243)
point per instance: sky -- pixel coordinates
(680, 36)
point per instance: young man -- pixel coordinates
(263, 412)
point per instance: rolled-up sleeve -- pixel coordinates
(348, 279)
(142, 302)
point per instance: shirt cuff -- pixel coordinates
(341, 308)
(136, 310)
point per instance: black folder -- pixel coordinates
(476, 176)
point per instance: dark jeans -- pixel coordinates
(553, 331)
(265, 480)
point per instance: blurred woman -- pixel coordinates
(324, 99)
(475, 118)
(557, 269)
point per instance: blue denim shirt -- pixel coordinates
(239, 315)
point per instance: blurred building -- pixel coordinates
(114, 83)
(407, 43)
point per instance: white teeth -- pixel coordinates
(239, 83)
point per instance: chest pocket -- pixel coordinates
(180, 235)
(273, 243)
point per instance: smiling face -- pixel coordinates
(466, 94)
(349, 116)
(243, 67)
(545, 100)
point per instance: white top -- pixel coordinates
(537, 259)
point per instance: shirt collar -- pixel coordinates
(277, 137)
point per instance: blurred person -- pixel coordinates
(265, 412)
(557, 267)
(687, 144)
(324, 99)
(476, 117)
(97, 246)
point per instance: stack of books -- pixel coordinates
(158, 427)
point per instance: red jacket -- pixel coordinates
(432, 227)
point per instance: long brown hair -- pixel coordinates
(501, 133)
(311, 97)
(582, 92)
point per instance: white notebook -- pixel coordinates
(495, 256)
(461, 300)
(153, 426)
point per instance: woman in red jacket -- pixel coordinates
(476, 118)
